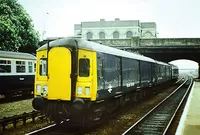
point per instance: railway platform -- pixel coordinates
(190, 119)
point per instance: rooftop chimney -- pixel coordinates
(117, 19)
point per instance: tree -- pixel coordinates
(16, 29)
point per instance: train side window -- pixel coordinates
(43, 67)
(84, 67)
(34, 67)
(30, 67)
(159, 73)
(100, 68)
(5, 66)
(20, 67)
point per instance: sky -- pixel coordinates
(174, 18)
(185, 64)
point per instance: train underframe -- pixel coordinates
(18, 85)
(85, 113)
(10, 93)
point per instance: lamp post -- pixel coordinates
(44, 28)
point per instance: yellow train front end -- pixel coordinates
(65, 81)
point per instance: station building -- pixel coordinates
(117, 29)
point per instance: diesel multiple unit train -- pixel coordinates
(16, 73)
(77, 79)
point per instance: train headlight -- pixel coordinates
(38, 88)
(87, 91)
(45, 90)
(45, 87)
(79, 90)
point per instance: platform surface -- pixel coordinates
(190, 119)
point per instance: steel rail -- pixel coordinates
(190, 85)
(58, 129)
(41, 130)
(179, 80)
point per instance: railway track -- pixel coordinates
(158, 120)
(19, 118)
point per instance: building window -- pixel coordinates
(20, 66)
(101, 35)
(89, 35)
(116, 34)
(129, 34)
(147, 34)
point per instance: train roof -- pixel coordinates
(88, 45)
(174, 66)
(162, 63)
(16, 55)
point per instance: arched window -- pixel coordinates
(101, 35)
(129, 34)
(89, 35)
(148, 34)
(116, 34)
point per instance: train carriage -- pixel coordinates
(16, 73)
(163, 72)
(175, 71)
(72, 74)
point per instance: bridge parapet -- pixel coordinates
(114, 42)
(170, 42)
(137, 42)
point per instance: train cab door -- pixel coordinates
(59, 71)
(100, 73)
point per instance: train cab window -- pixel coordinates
(84, 67)
(43, 67)
(30, 67)
(5, 66)
(20, 66)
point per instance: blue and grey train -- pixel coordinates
(78, 79)
(17, 72)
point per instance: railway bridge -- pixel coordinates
(162, 49)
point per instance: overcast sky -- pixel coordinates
(174, 18)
